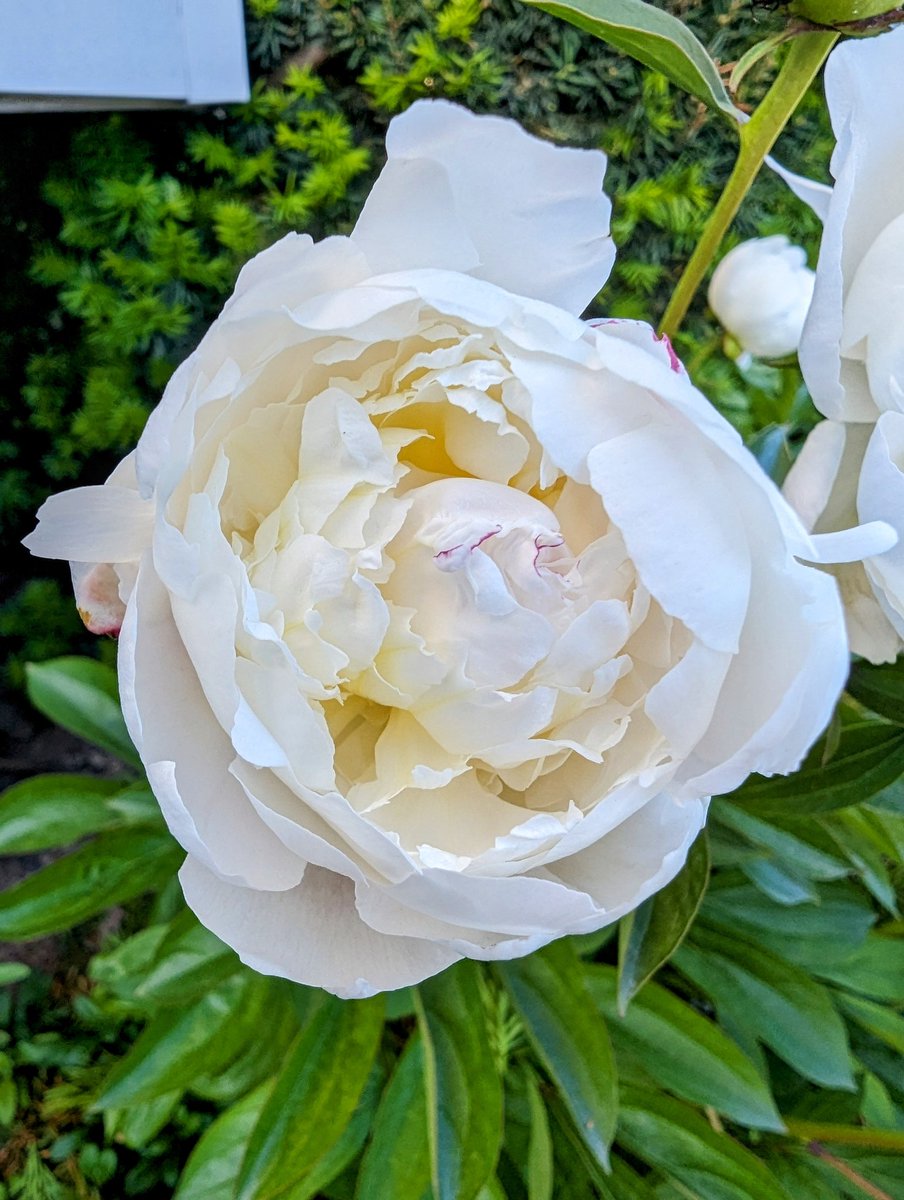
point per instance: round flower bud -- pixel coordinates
(841, 12)
(761, 292)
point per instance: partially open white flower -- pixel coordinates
(852, 352)
(444, 611)
(761, 291)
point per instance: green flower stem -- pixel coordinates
(847, 1135)
(806, 55)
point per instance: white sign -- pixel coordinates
(80, 53)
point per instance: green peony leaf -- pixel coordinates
(878, 1019)
(213, 1165)
(654, 37)
(112, 869)
(187, 963)
(680, 1142)
(464, 1091)
(13, 972)
(182, 1043)
(56, 810)
(870, 756)
(773, 1001)
(685, 1052)
(397, 1160)
(314, 1098)
(879, 688)
(810, 935)
(570, 1039)
(539, 1175)
(82, 696)
(651, 934)
(876, 969)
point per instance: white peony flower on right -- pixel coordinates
(852, 352)
(760, 292)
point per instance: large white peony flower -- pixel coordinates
(852, 352)
(444, 611)
(761, 291)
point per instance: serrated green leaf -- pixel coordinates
(773, 1001)
(112, 869)
(464, 1091)
(685, 1052)
(668, 1135)
(314, 1098)
(870, 756)
(570, 1038)
(651, 934)
(397, 1160)
(179, 1044)
(652, 36)
(55, 810)
(81, 695)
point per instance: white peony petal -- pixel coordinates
(874, 316)
(536, 906)
(701, 674)
(296, 824)
(852, 545)
(536, 213)
(105, 524)
(814, 194)
(340, 451)
(431, 233)
(811, 480)
(640, 856)
(310, 934)
(781, 689)
(881, 496)
(188, 760)
(865, 90)
(463, 819)
(656, 484)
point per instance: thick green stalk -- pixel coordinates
(890, 1140)
(806, 55)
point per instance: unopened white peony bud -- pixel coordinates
(761, 292)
